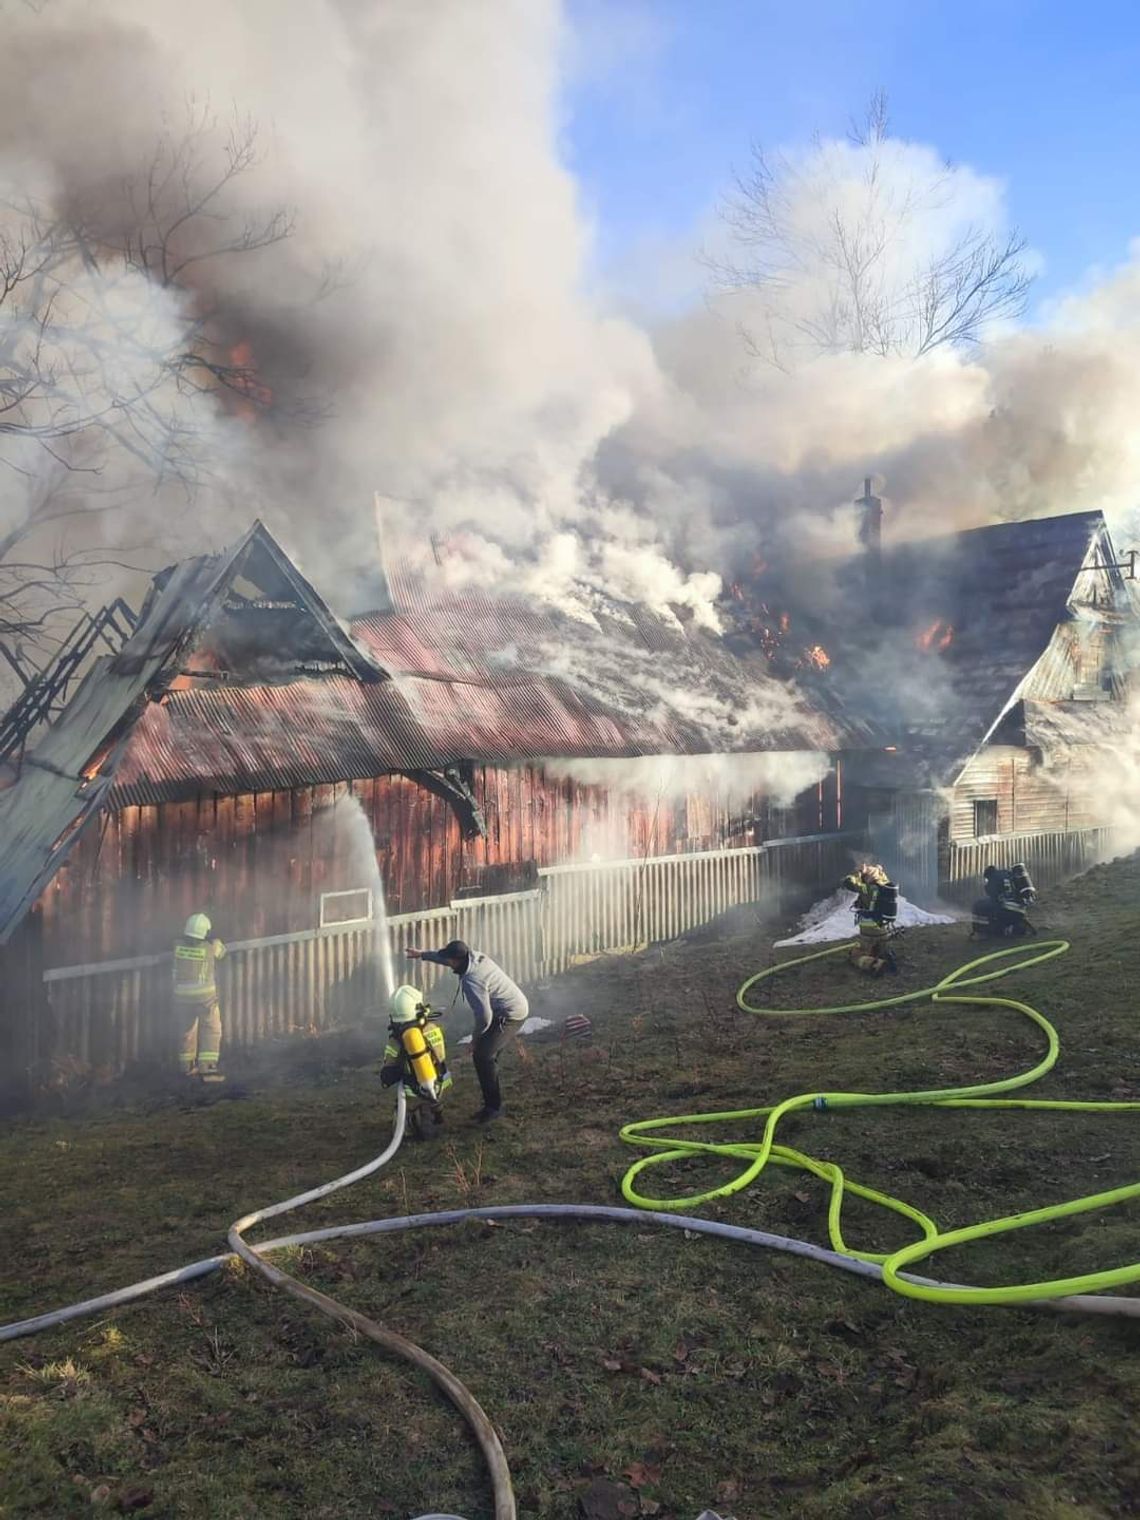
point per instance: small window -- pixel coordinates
(339, 908)
(985, 817)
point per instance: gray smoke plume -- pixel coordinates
(426, 335)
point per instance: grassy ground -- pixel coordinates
(630, 1372)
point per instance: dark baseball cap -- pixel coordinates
(457, 951)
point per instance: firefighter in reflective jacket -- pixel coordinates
(416, 1055)
(196, 1009)
(876, 908)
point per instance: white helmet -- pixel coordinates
(197, 926)
(405, 1004)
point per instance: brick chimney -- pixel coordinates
(870, 520)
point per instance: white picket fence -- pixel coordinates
(109, 1014)
(1050, 856)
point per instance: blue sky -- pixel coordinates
(667, 96)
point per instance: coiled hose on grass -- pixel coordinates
(1051, 1295)
(754, 1157)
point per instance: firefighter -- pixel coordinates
(500, 1009)
(875, 908)
(199, 1018)
(416, 1054)
(1001, 913)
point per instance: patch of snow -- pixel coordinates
(832, 919)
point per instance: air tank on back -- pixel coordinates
(1020, 881)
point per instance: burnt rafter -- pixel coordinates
(453, 786)
(46, 692)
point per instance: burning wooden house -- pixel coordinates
(994, 663)
(246, 754)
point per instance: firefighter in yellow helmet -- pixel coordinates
(199, 1019)
(876, 908)
(416, 1055)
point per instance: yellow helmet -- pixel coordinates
(197, 926)
(405, 1004)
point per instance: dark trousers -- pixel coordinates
(486, 1050)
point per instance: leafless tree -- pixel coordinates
(108, 343)
(840, 250)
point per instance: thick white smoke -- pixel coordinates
(454, 359)
(457, 365)
(671, 778)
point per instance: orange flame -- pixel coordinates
(939, 635)
(95, 763)
(242, 378)
(818, 656)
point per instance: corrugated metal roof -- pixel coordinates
(45, 810)
(1054, 726)
(43, 813)
(324, 730)
(461, 690)
(474, 677)
(934, 644)
(681, 684)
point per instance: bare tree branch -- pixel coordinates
(838, 251)
(108, 343)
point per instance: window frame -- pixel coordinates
(980, 803)
(323, 921)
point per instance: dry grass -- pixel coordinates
(688, 1371)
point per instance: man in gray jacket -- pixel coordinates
(499, 1007)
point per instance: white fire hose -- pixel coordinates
(254, 1256)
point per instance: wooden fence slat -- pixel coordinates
(118, 1011)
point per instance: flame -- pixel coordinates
(770, 628)
(939, 635)
(95, 763)
(242, 378)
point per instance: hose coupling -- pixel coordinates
(819, 1104)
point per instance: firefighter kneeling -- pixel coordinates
(876, 908)
(1001, 913)
(415, 1053)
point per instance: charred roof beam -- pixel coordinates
(455, 788)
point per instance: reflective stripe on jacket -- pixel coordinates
(194, 962)
(433, 1035)
(867, 899)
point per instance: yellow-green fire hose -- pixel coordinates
(754, 1157)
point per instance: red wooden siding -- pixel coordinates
(258, 863)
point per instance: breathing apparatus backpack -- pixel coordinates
(1001, 913)
(886, 906)
(415, 1049)
(877, 898)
